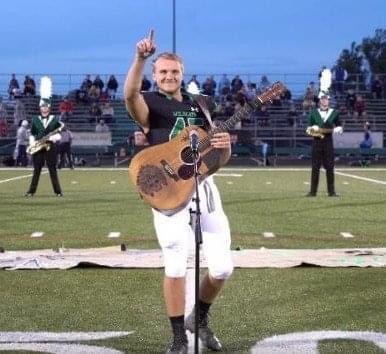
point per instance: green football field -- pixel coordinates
(125, 306)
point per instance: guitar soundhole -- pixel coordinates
(151, 179)
(186, 170)
(187, 156)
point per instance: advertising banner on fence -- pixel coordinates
(91, 139)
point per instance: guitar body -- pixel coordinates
(164, 173)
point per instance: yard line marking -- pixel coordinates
(74, 182)
(361, 178)
(228, 175)
(113, 182)
(268, 182)
(306, 183)
(18, 177)
(347, 235)
(114, 234)
(267, 234)
(346, 182)
(37, 234)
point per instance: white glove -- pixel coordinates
(54, 138)
(338, 130)
(315, 128)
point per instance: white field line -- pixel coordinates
(360, 178)
(18, 177)
(14, 178)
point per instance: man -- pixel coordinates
(43, 125)
(162, 115)
(322, 147)
(65, 148)
(22, 138)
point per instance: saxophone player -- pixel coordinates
(43, 125)
(324, 119)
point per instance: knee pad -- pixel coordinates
(222, 271)
(175, 261)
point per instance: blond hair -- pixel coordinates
(168, 56)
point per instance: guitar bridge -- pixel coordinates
(169, 170)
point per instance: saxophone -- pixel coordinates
(43, 142)
(319, 133)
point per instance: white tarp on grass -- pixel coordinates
(250, 258)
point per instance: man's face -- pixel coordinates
(168, 75)
(44, 111)
(324, 102)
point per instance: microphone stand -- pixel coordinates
(198, 241)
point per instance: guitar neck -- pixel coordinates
(241, 114)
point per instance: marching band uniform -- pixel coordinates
(322, 148)
(42, 125)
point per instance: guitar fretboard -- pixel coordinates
(241, 114)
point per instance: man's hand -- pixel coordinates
(146, 47)
(338, 130)
(221, 141)
(315, 128)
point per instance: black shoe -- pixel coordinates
(179, 346)
(29, 195)
(204, 332)
(333, 195)
(311, 195)
(59, 194)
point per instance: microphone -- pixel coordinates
(193, 137)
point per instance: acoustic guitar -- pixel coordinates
(164, 173)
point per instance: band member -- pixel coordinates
(322, 118)
(45, 129)
(162, 115)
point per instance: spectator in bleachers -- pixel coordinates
(376, 87)
(224, 86)
(101, 127)
(351, 98)
(236, 84)
(3, 127)
(262, 116)
(367, 141)
(340, 76)
(384, 85)
(209, 86)
(308, 101)
(29, 86)
(98, 83)
(94, 93)
(194, 79)
(263, 85)
(66, 109)
(95, 113)
(13, 87)
(112, 87)
(292, 116)
(107, 112)
(360, 108)
(86, 83)
(22, 141)
(146, 84)
(19, 113)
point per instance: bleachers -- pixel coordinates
(283, 138)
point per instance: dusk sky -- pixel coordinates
(213, 36)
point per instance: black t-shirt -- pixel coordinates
(168, 117)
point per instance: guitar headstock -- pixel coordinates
(273, 92)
